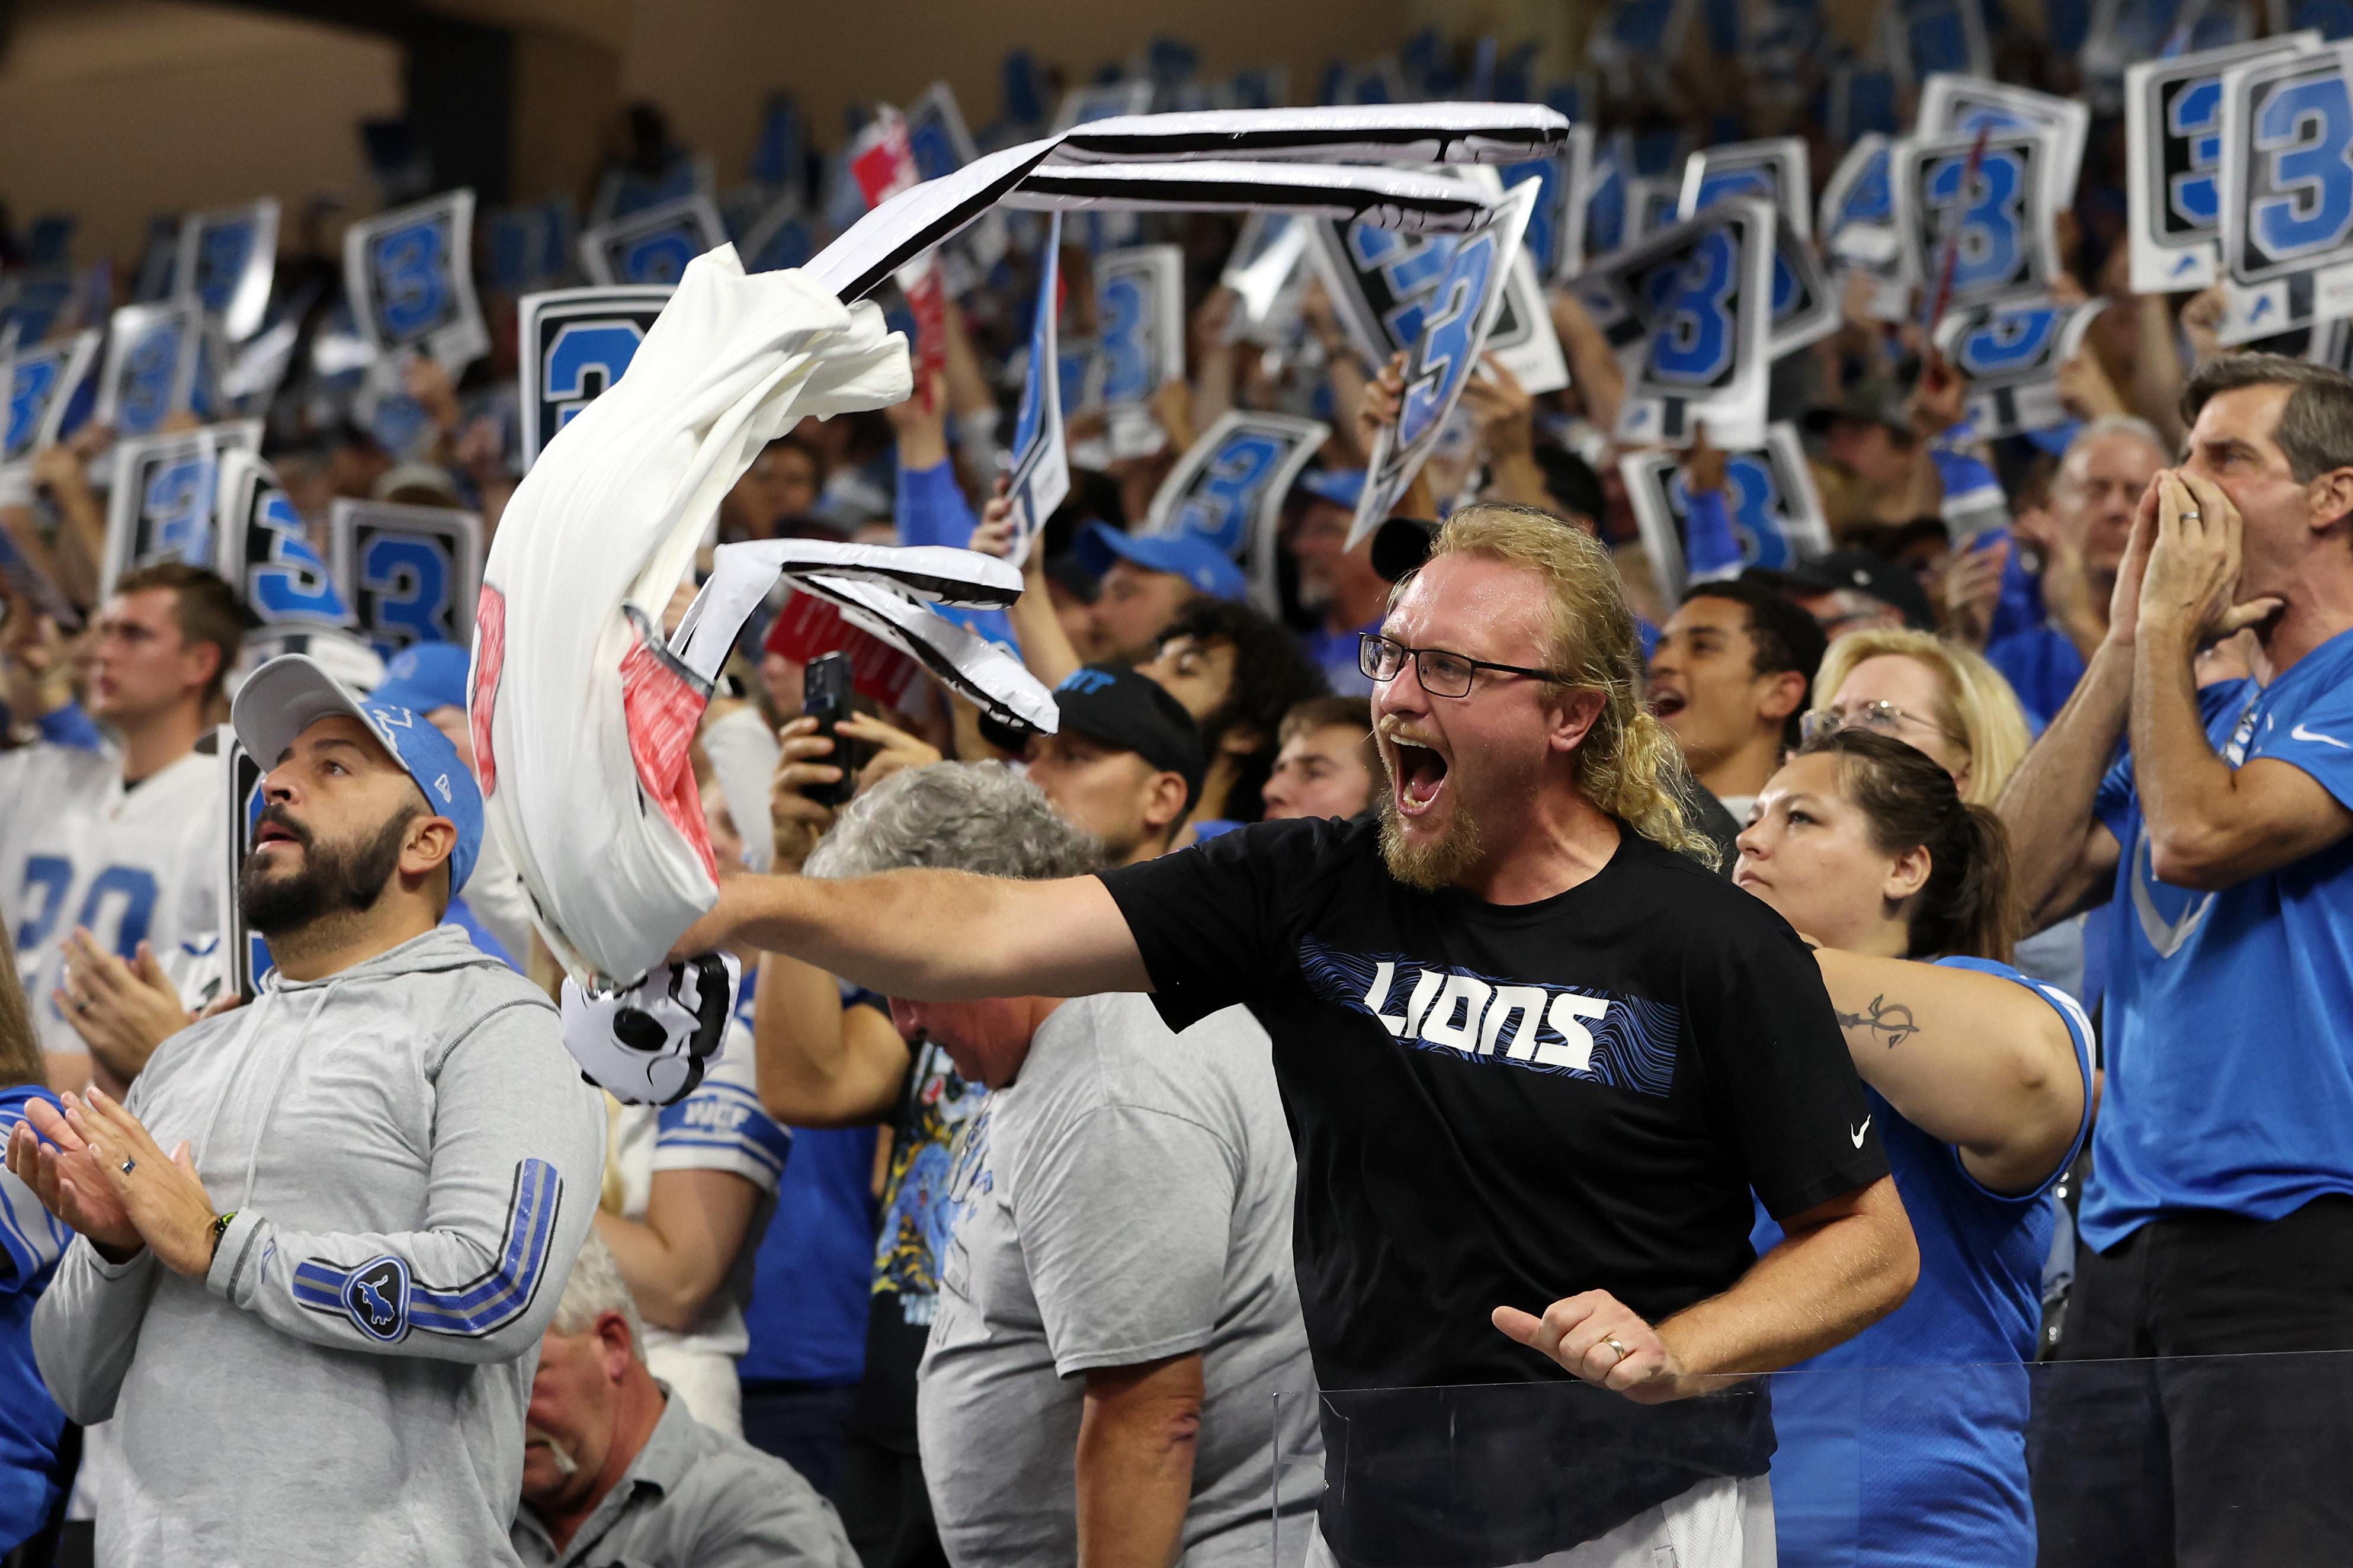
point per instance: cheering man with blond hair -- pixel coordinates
(1536, 1059)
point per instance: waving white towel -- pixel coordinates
(582, 717)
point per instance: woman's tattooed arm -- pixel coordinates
(1892, 1019)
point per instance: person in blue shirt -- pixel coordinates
(2218, 1219)
(810, 1285)
(1340, 586)
(1906, 1447)
(2044, 624)
(31, 1241)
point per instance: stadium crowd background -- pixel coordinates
(772, 1247)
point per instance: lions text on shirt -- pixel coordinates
(1907, 1444)
(719, 1127)
(77, 848)
(1508, 1105)
(2229, 1069)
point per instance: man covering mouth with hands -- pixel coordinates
(1535, 1060)
(2219, 1215)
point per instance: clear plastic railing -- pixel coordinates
(2228, 1461)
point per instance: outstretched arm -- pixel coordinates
(934, 936)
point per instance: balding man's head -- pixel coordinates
(2107, 466)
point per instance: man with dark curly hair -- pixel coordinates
(1237, 673)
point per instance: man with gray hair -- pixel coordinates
(2218, 1220)
(616, 1470)
(2048, 623)
(1088, 1220)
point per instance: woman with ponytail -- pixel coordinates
(1911, 1449)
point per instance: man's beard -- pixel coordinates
(1434, 863)
(335, 879)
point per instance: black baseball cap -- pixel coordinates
(1128, 712)
(1891, 583)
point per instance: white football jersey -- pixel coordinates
(78, 849)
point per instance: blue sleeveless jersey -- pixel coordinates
(1906, 1444)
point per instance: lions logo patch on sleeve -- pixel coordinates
(376, 1297)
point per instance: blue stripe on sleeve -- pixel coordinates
(482, 1305)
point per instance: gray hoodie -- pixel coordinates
(413, 1159)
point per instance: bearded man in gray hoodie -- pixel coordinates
(314, 1322)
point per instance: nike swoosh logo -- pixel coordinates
(2301, 733)
(1858, 1132)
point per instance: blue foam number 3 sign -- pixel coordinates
(290, 583)
(1993, 214)
(411, 285)
(2195, 116)
(409, 577)
(1218, 509)
(29, 393)
(1127, 360)
(177, 506)
(220, 267)
(1694, 343)
(2304, 131)
(657, 259)
(584, 362)
(147, 376)
(2010, 343)
(1444, 355)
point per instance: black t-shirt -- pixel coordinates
(1507, 1105)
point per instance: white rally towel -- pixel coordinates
(582, 717)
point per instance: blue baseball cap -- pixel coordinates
(1341, 487)
(294, 691)
(1187, 555)
(425, 676)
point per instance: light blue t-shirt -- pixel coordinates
(1906, 1447)
(2230, 1065)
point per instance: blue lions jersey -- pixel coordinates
(2230, 1067)
(1906, 1444)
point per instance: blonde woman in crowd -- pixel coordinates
(1945, 700)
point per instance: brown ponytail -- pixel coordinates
(1965, 909)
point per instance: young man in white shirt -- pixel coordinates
(123, 844)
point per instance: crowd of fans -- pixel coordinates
(2059, 806)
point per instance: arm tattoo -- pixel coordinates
(1892, 1019)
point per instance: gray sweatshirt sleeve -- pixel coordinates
(86, 1326)
(518, 1154)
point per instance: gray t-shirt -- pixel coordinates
(1126, 1199)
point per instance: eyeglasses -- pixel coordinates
(1879, 718)
(1441, 674)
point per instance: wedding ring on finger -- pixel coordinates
(128, 1165)
(2193, 517)
(1613, 1343)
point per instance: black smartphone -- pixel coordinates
(825, 697)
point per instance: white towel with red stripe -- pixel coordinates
(582, 717)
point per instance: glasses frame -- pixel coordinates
(1816, 722)
(1369, 644)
